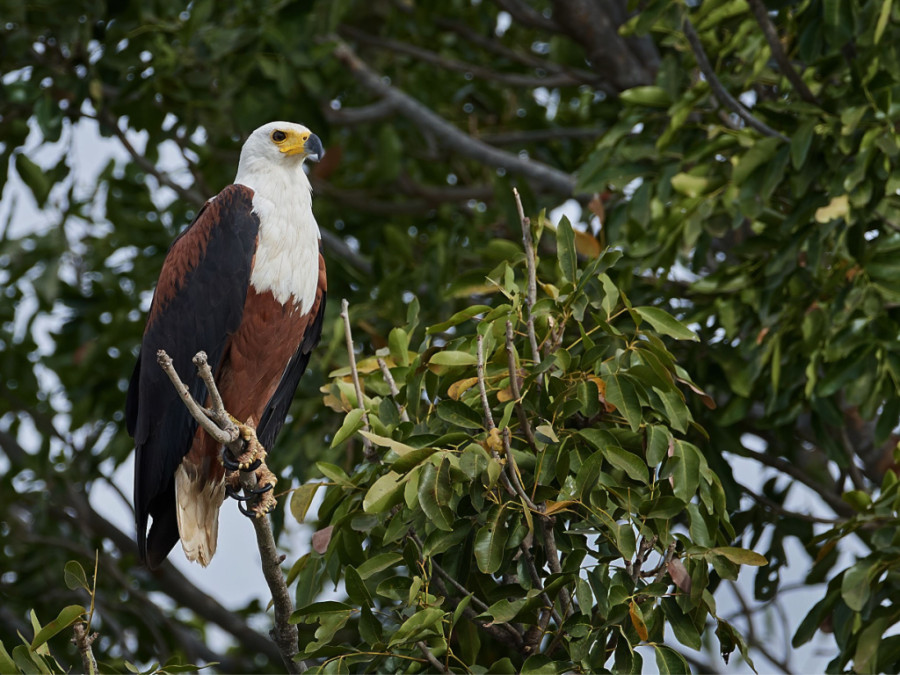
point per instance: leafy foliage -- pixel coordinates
(736, 308)
(530, 508)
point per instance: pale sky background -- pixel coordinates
(234, 576)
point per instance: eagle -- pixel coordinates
(246, 283)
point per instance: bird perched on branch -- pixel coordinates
(246, 283)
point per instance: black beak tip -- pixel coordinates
(315, 151)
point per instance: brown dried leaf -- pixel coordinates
(679, 575)
(321, 539)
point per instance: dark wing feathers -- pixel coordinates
(198, 303)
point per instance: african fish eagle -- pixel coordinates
(245, 282)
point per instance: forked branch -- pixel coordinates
(220, 425)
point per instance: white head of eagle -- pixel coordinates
(246, 283)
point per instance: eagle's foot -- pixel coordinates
(261, 499)
(254, 453)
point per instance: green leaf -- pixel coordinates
(856, 585)
(302, 498)
(378, 563)
(741, 556)
(686, 470)
(420, 624)
(412, 459)
(685, 630)
(356, 588)
(689, 185)
(866, 655)
(628, 462)
(666, 324)
(801, 142)
(490, 542)
(35, 178)
(384, 442)
(622, 394)
(658, 444)
(335, 473)
(384, 493)
(459, 414)
(458, 318)
(75, 576)
(353, 422)
(435, 491)
(398, 343)
(565, 250)
(504, 611)
(654, 97)
(7, 665)
(759, 153)
(883, 16)
(670, 662)
(64, 619)
(452, 358)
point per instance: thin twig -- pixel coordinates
(777, 508)
(536, 580)
(513, 470)
(395, 392)
(514, 388)
(545, 527)
(479, 369)
(198, 412)
(283, 633)
(839, 506)
(787, 68)
(719, 89)
(83, 640)
(360, 402)
(530, 262)
(432, 659)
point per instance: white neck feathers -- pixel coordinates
(287, 253)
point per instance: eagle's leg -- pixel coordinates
(254, 453)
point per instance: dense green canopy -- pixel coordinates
(726, 298)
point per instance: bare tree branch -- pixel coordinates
(349, 117)
(561, 79)
(784, 63)
(530, 263)
(721, 93)
(525, 58)
(543, 175)
(386, 373)
(594, 24)
(83, 640)
(432, 659)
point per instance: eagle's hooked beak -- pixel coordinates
(310, 146)
(313, 148)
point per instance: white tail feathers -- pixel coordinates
(197, 504)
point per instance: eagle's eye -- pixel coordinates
(278, 136)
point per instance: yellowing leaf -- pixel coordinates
(839, 207)
(460, 387)
(637, 620)
(587, 245)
